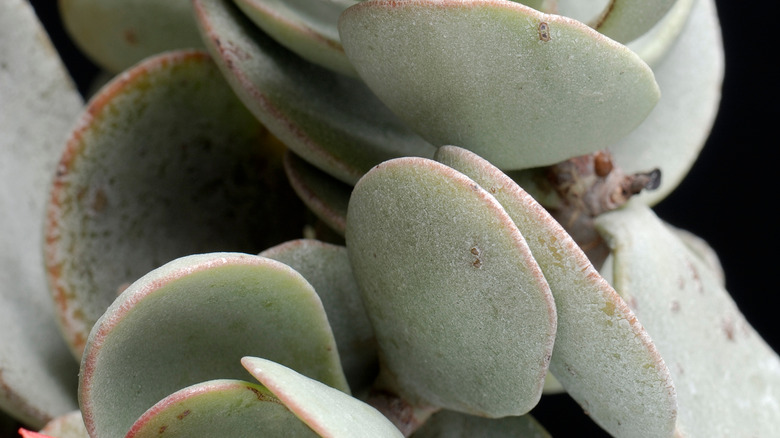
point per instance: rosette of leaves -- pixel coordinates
(469, 163)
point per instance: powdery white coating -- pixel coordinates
(690, 77)
(727, 377)
(330, 413)
(38, 105)
(655, 43)
(219, 408)
(462, 314)
(327, 268)
(192, 320)
(164, 162)
(117, 34)
(625, 20)
(307, 27)
(516, 86)
(325, 196)
(603, 357)
(330, 120)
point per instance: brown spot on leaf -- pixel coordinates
(130, 37)
(729, 328)
(162, 430)
(184, 414)
(544, 31)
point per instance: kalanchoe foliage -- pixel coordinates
(381, 218)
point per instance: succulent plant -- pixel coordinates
(373, 218)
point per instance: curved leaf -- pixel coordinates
(603, 357)
(307, 27)
(219, 408)
(462, 314)
(164, 162)
(626, 20)
(516, 86)
(727, 377)
(653, 45)
(329, 412)
(191, 321)
(327, 268)
(328, 119)
(325, 196)
(690, 77)
(118, 34)
(39, 105)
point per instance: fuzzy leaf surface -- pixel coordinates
(192, 320)
(727, 377)
(516, 86)
(329, 412)
(603, 357)
(462, 314)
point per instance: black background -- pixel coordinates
(728, 197)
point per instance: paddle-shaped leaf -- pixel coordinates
(690, 77)
(191, 321)
(164, 162)
(328, 119)
(516, 86)
(330, 413)
(118, 34)
(326, 267)
(38, 105)
(727, 377)
(307, 27)
(220, 408)
(603, 357)
(462, 314)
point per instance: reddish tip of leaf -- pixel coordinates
(30, 434)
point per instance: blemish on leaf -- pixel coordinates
(183, 414)
(162, 430)
(609, 308)
(729, 328)
(544, 31)
(476, 252)
(130, 36)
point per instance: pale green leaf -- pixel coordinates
(328, 119)
(330, 413)
(219, 408)
(516, 86)
(727, 377)
(307, 27)
(164, 162)
(192, 320)
(38, 105)
(326, 267)
(118, 34)
(653, 45)
(462, 314)
(626, 20)
(690, 77)
(603, 357)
